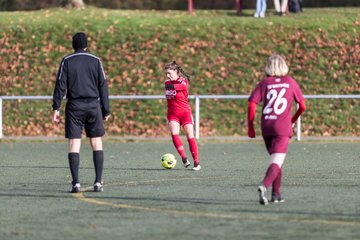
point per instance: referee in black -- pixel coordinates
(81, 76)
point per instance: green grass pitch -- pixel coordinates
(142, 201)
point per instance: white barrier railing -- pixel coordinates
(197, 104)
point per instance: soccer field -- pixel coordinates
(321, 186)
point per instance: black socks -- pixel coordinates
(74, 163)
(98, 158)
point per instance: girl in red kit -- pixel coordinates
(277, 91)
(179, 112)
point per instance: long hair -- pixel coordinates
(176, 67)
(276, 66)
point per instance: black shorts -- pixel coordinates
(82, 113)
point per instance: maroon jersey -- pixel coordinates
(177, 98)
(278, 94)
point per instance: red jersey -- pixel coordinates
(278, 94)
(177, 98)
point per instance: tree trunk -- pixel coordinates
(77, 3)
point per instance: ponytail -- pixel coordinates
(174, 66)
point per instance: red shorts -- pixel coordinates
(182, 118)
(276, 144)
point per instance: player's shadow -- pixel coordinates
(178, 200)
(49, 167)
(110, 168)
(33, 167)
(303, 213)
(149, 169)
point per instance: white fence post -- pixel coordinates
(298, 126)
(298, 123)
(1, 125)
(197, 117)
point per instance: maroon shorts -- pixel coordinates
(182, 118)
(276, 144)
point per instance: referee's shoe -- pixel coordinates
(75, 188)
(98, 187)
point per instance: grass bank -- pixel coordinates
(223, 52)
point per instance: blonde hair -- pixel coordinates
(174, 66)
(276, 66)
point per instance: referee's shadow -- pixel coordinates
(30, 167)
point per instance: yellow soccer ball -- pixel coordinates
(168, 161)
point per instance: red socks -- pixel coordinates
(271, 174)
(180, 148)
(194, 150)
(178, 145)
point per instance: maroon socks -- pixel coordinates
(271, 174)
(276, 184)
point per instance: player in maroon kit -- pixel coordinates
(277, 91)
(179, 112)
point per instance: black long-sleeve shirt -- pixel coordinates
(81, 76)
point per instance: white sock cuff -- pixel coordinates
(278, 159)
